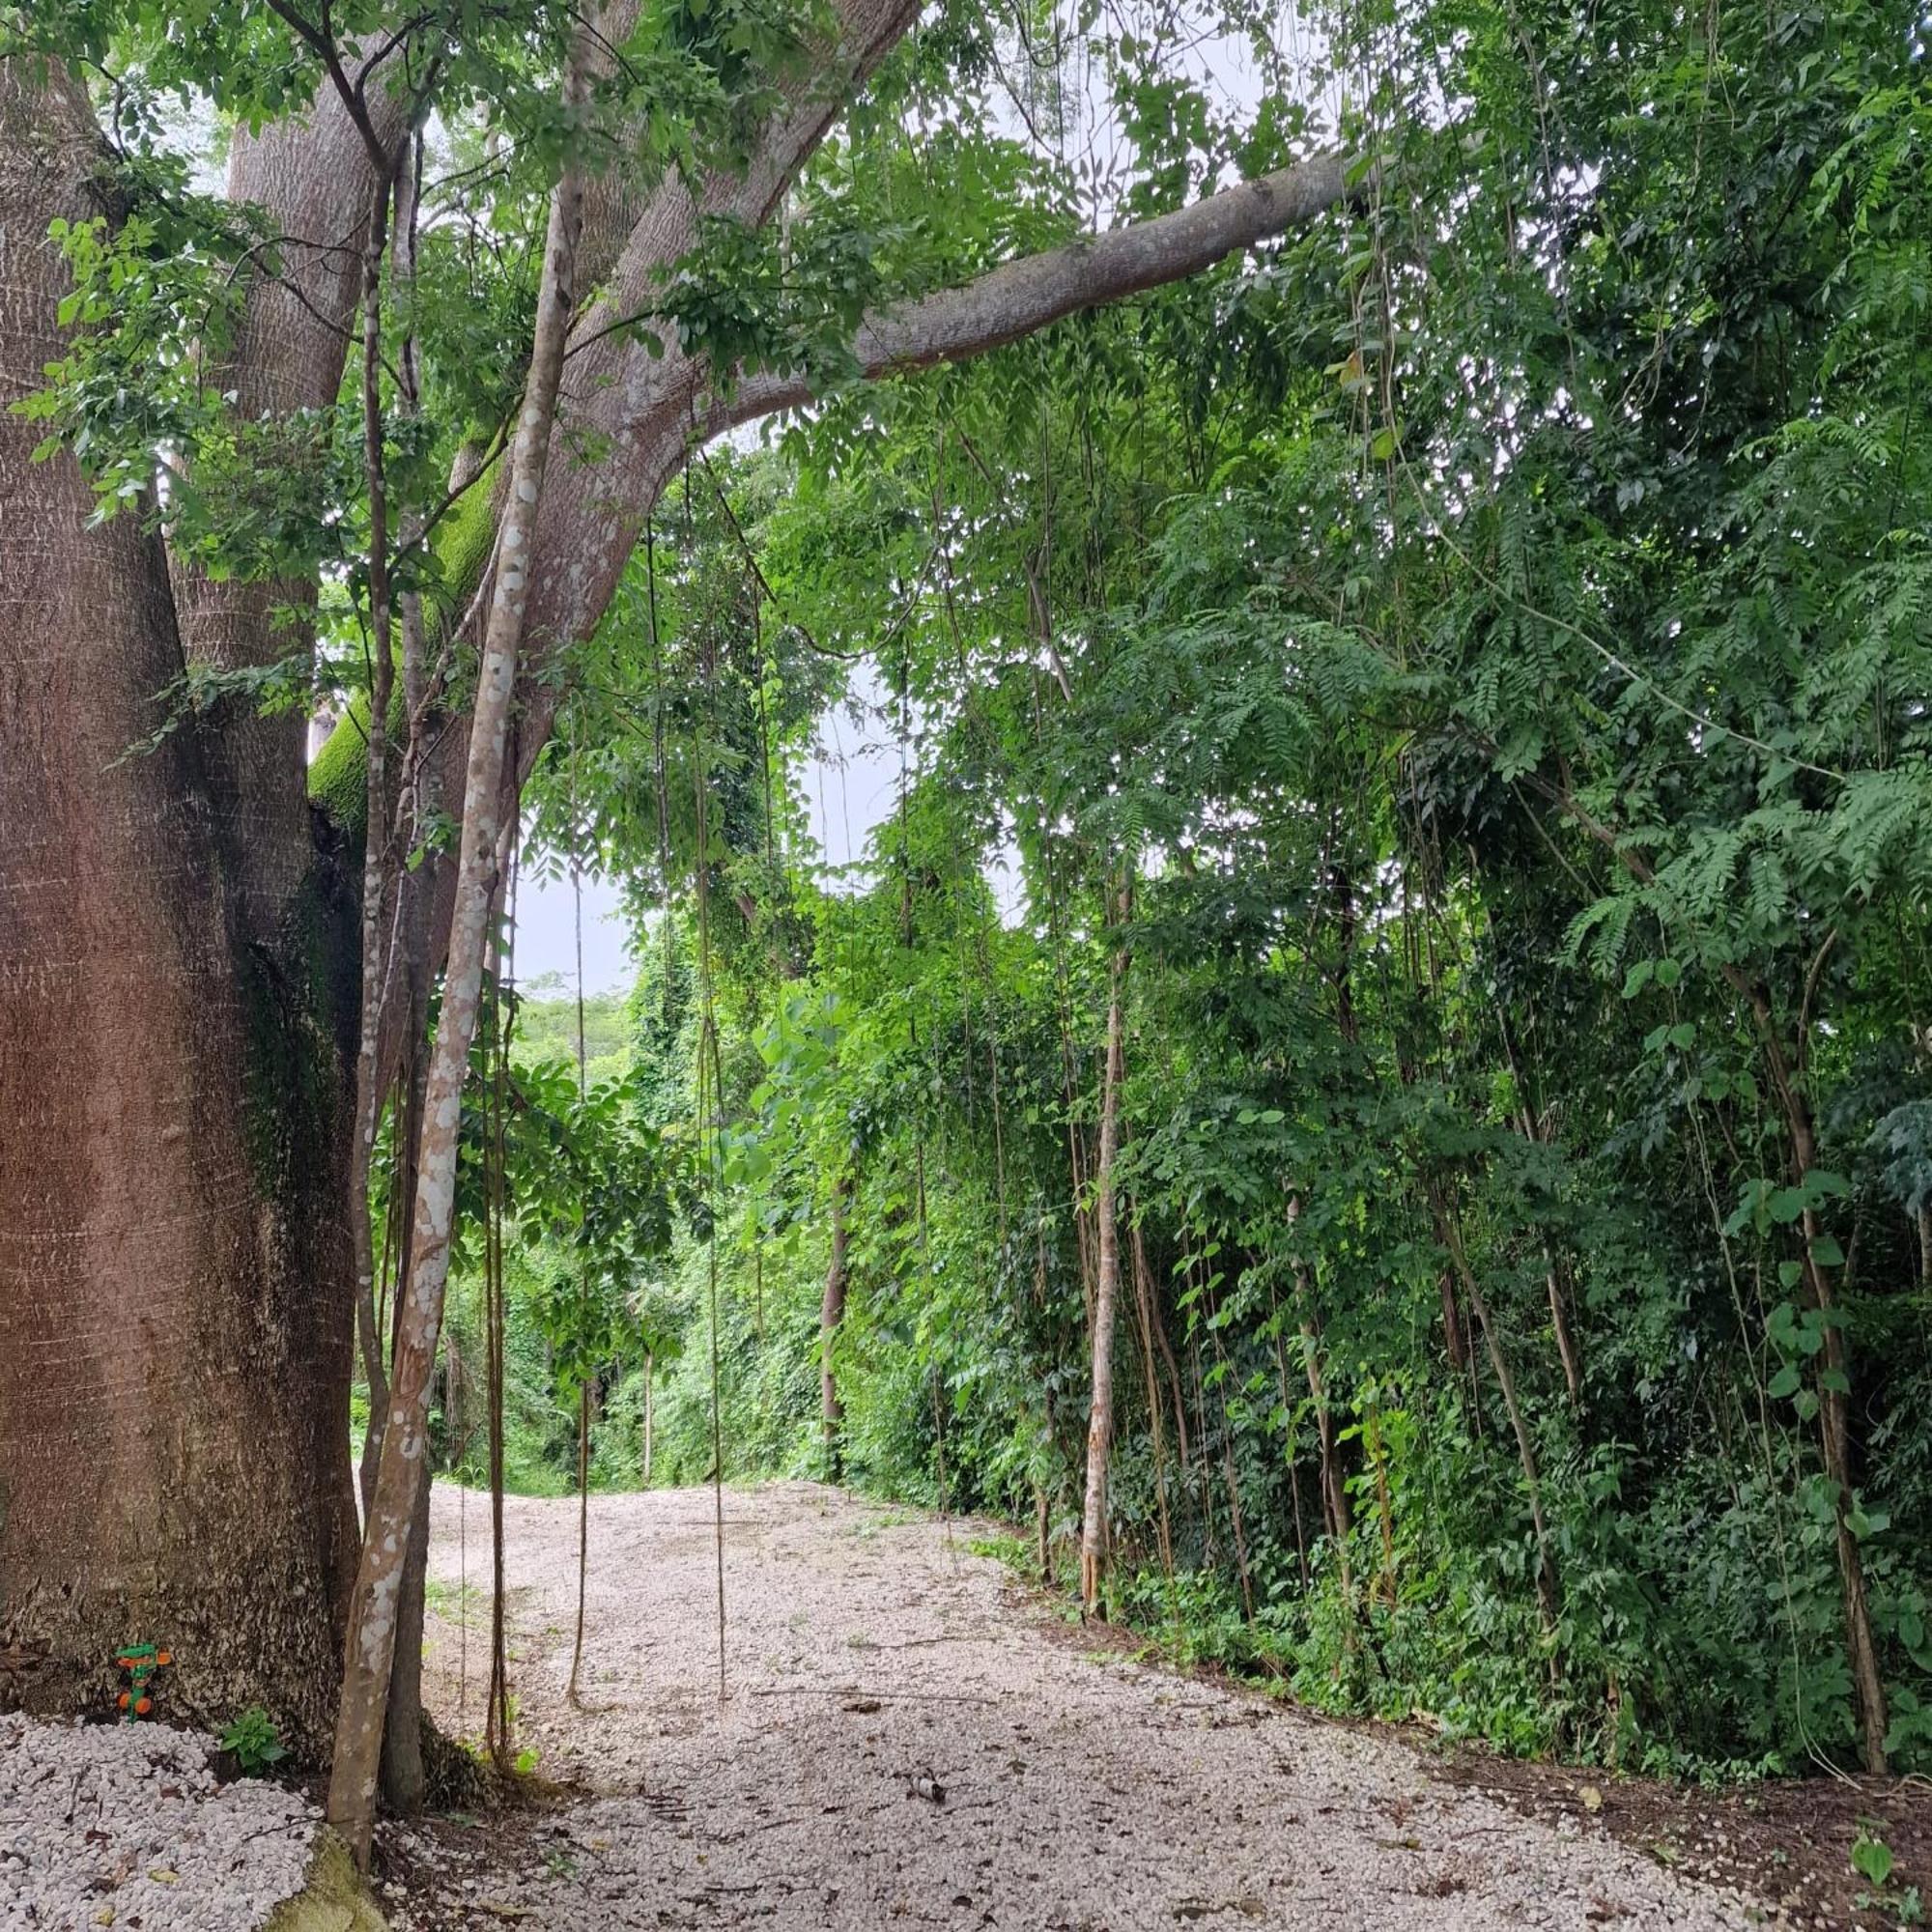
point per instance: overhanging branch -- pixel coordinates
(1019, 298)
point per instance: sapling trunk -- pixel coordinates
(1833, 1398)
(373, 1609)
(1144, 1294)
(650, 1391)
(377, 957)
(1334, 1493)
(831, 1314)
(1451, 1236)
(1106, 1295)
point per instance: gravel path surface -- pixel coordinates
(123, 1825)
(868, 1648)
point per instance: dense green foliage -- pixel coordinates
(1490, 635)
(1457, 680)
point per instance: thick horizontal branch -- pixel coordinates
(1019, 298)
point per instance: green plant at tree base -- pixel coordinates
(254, 1742)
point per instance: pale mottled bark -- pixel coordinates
(374, 1608)
(1019, 298)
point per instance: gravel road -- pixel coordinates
(868, 1648)
(123, 1825)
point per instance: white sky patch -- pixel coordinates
(547, 934)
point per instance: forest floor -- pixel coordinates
(869, 1649)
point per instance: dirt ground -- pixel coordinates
(906, 1736)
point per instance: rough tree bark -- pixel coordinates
(173, 1380)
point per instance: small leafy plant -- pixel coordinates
(255, 1742)
(1871, 1856)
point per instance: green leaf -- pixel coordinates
(1871, 1857)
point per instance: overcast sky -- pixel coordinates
(851, 791)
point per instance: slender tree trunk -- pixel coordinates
(1207, 1489)
(1237, 1525)
(1175, 1390)
(1106, 1295)
(1555, 1273)
(1559, 1322)
(650, 1389)
(373, 1613)
(574, 1697)
(831, 1314)
(1143, 1293)
(405, 1781)
(1834, 1400)
(375, 951)
(1334, 1490)
(174, 1333)
(404, 1778)
(1452, 1323)
(1371, 1431)
(1451, 1237)
(1289, 1436)
(1294, 1498)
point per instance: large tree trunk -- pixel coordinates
(313, 178)
(173, 1376)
